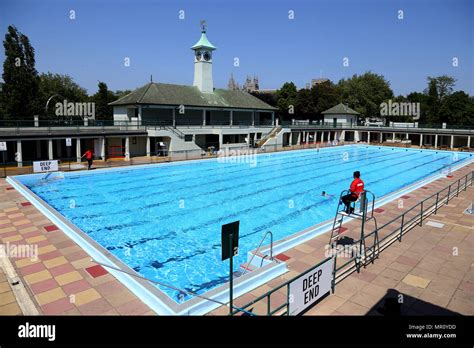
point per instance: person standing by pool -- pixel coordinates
(357, 187)
(89, 155)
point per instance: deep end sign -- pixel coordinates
(306, 290)
(45, 166)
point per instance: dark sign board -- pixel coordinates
(228, 230)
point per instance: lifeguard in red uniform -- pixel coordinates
(357, 187)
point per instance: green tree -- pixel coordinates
(20, 88)
(286, 96)
(364, 93)
(56, 88)
(457, 109)
(102, 98)
(438, 89)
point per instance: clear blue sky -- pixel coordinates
(93, 46)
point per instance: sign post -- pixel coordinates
(305, 291)
(230, 248)
(68, 149)
(3, 149)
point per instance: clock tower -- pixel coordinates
(203, 62)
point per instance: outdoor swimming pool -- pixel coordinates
(164, 221)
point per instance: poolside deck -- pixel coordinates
(423, 267)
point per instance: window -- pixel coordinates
(188, 137)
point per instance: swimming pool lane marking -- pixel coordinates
(193, 186)
(184, 188)
(221, 280)
(267, 189)
(213, 169)
(225, 218)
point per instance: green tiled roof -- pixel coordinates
(168, 94)
(203, 42)
(340, 109)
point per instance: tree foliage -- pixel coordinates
(102, 98)
(364, 93)
(20, 87)
(57, 88)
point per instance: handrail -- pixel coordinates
(171, 287)
(359, 259)
(259, 245)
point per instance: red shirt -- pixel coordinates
(88, 155)
(357, 187)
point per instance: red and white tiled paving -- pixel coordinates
(64, 281)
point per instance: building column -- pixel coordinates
(174, 117)
(140, 114)
(38, 149)
(102, 149)
(50, 149)
(381, 138)
(368, 137)
(468, 141)
(393, 136)
(343, 135)
(253, 118)
(273, 119)
(204, 117)
(19, 153)
(78, 150)
(298, 142)
(221, 140)
(127, 149)
(436, 141)
(421, 140)
(452, 142)
(148, 146)
(231, 119)
(356, 136)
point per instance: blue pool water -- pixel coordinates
(165, 221)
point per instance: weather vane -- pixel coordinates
(203, 25)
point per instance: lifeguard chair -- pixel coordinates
(363, 209)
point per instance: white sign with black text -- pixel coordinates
(68, 141)
(310, 287)
(3, 146)
(45, 166)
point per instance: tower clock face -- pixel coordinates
(207, 56)
(198, 55)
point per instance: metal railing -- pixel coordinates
(258, 249)
(375, 242)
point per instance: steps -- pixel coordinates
(270, 135)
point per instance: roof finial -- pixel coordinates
(203, 26)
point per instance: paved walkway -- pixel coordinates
(62, 280)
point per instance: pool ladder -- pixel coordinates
(249, 264)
